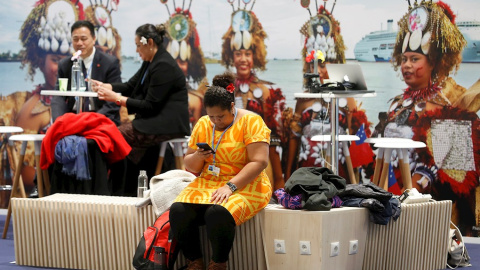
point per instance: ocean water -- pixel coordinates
(286, 74)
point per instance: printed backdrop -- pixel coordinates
(280, 19)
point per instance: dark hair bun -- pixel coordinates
(161, 29)
(223, 80)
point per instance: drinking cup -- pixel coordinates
(62, 84)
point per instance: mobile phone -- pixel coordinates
(205, 146)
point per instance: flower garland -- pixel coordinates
(422, 94)
(319, 55)
(250, 79)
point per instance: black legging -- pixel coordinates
(185, 219)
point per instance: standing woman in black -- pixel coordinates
(156, 94)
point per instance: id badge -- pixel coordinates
(214, 170)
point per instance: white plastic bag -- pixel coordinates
(457, 252)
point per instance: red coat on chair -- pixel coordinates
(89, 125)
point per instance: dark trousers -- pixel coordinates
(185, 220)
(141, 142)
(144, 156)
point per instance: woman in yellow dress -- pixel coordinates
(232, 186)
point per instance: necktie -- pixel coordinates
(86, 105)
(84, 72)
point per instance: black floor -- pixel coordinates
(7, 254)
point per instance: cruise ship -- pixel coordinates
(471, 32)
(378, 45)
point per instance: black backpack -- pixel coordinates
(158, 235)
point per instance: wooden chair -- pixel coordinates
(385, 148)
(18, 189)
(346, 153)
(7, 151)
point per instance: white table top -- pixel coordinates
(400, 143)
(27, 137)
(68, 93)
(341, 138)
(387, 140)
(10, 129)
(334, 95)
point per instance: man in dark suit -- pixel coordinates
(95, 65)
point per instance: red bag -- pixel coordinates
(157, 235)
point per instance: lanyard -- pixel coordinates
(145, 74)
(86, 71)
(89, 70)
(221, 136)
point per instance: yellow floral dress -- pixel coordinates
(231, 157)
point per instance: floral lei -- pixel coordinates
(421, 94)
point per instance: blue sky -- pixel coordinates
(281, 19)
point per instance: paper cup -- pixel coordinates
(62, 84)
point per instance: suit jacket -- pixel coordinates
(105, 68)
(158, 96)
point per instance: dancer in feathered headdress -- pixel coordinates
(244, 48)
(427, 50)
(108, 38)
(183, 43)
(311, 117)
(322, 33)
(46, 39)
(45, 36)
(46, 31)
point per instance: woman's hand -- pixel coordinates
(195, 159)
(107, 95)
(203, 154)
(95, 85)
(104, 91)
(221, 195)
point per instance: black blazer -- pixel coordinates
(105, 68)
(157, 95)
